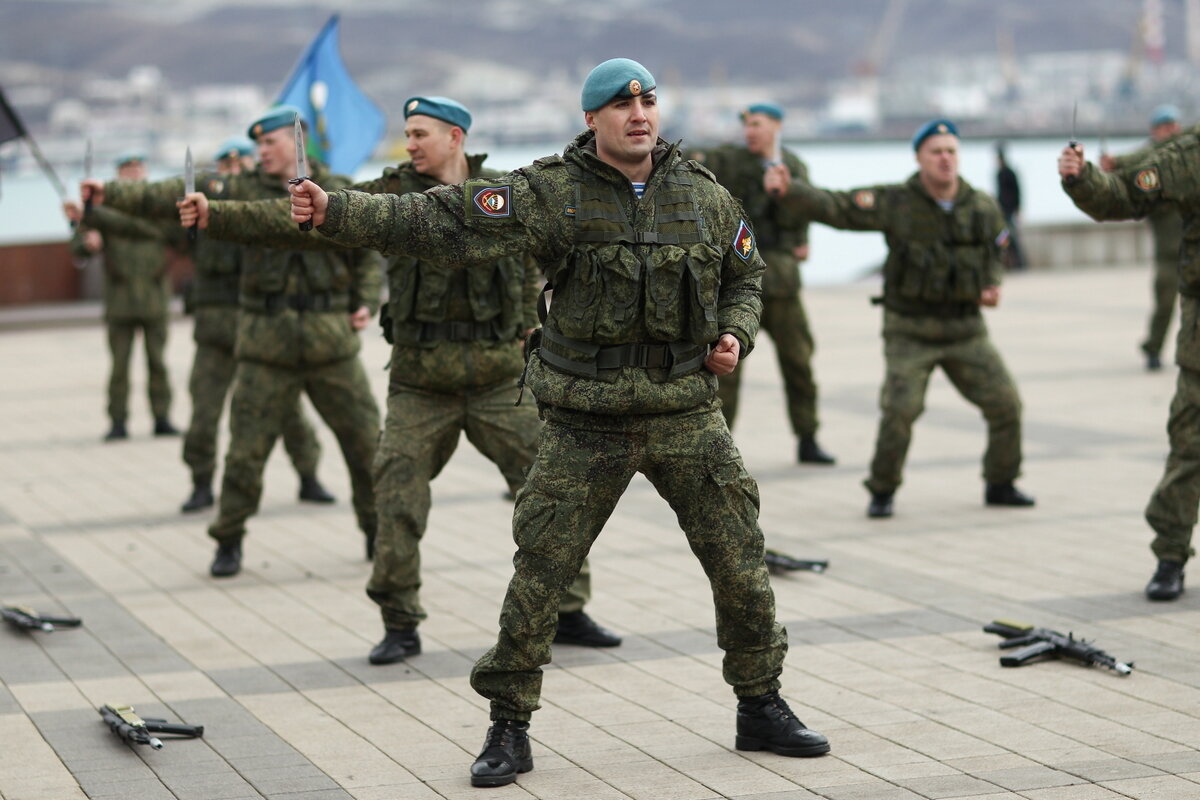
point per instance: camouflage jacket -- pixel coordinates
(1165, 222)
(434, 365)
(938, 261)
(136, 283)
(777, 229)
(284, 336)
(533, 210)
(1171, 176)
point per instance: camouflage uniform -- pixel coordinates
(137, 295)
(213, 299)
(778, 234)
(636, 282)
(938, 263)
(293, 335)
(1167, 228)
(456, 358)
(1168, 178)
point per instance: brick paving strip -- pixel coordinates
(887, 656)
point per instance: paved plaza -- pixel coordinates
(887, 654)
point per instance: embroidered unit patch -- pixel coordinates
(493, 201)
(743, 242)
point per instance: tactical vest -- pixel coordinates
(420, 296)
(325, 277)
(937, 260)
(624, 297)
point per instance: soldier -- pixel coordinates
(1169, 177)
(657, 289)
(137, 295)
(297, 331)
(782, 244)
(944, 240)
(456, 358)
(213, 299)
(1008, 196)
(1167, 229)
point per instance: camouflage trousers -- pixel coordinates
(1166, 292)
(120, 343)
(975, 368)
(783, 318)
(420, 433)
(263, 397)
(1172, 508)
(212, 374)
(584, 463)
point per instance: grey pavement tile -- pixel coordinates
(940, 786)
(262, 745)
(248, 680)
(1029, 778)
(131, 786)
(320, 794)
(5, 517)
(877, 790)
(313, 675)
(8, 703)
(1184, 761)
(1112, 769)
(218, 786)
(284, 784)
(798, 794)
(24, 660)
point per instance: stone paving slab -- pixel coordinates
(887, 656)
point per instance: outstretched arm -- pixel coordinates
(1128, 193)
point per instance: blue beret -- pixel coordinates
(617, 77)
(932, 128)
(1164, 114)
(770, 109)
(233, 147)
(442, 108)
(272, 119)
(128, 157)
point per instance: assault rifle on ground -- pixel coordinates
(778, 562)
(135, 730)
(28, 619)
(1037, 642)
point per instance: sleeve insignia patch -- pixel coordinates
(1147, 180)
(864, 199)
(1002, 238)
(493, 201)
(569, 209)
(743, 241)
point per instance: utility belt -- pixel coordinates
(680, 358)
(215, 291)
(316, 301)
(921, 309)
(459, 331)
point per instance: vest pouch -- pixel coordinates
(704, 285)
(485, 291)
(620, 275)
(1189, 264)
(935, 288)
(265, 272)
(970, 262)
(910, 270)
(665, 282)
(402, 287)
(326, 272)
(432, 293)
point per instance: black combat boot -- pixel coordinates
(228, 560)
(880, 506)
(201, 497)
(766, 723)
(810, 452)
(1167, 583)
(505, 754)
(396, 645)
(576, 627)
(1006, 494)
(117, 431)
(311, 490)
(163, 427)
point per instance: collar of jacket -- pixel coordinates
(965, 189)
(582, 150)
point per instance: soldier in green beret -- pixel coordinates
(137, 296)
(297, 331)
(1166, 226)
(1167, 178)
(783, 244)
(456, 357)
(944, 240)
(656, 282)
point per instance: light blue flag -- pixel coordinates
(344, 124)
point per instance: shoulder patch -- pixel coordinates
(1147, 180)
(864, 199)
(488, 199)
(743, 241)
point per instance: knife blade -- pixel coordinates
(189, 185)
(301, 165)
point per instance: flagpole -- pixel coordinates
(19, 128)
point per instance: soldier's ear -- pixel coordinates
(590, 119)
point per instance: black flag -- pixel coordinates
(10, 124)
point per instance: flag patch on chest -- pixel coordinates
(743, 241)
(493, 201)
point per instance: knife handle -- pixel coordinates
(306, 225)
